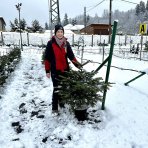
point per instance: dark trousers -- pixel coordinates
(56, 99)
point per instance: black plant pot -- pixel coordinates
(81, 114)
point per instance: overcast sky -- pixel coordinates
(38, 9)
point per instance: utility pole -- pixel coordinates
(110, 19)
(54, 13)
(49, 19)
(85, 20)
(18, 7)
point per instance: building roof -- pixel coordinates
(68, 27)
(75, 27)
(1, 18)
(95, 25)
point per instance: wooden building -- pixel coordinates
(101, 29)
(2, 24)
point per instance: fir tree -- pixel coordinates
(80, 88)
(145, 16)
(16, 23)
(142, 7)
(36, 26)
(146, 7)
(46, 26)
(137, 9)
(12, 26)
(23, 24)
(65, 19)
(105, 13)
(96, 18)
(74, 22)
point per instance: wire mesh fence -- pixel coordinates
(125, 45)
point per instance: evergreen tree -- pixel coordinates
(46, 26)
(79, 19)
(96, 19)
(116, 14)
(87, 19)
(105, 13)
(137, 10)
(23, 24)
(146, 7)
(80, 88)
(74, 22)
(70, 20)
(36, 26)
(16, 23)
(142, 7)
(12, 26)
(145, 18)
(65, 19)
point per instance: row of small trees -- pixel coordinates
(8, 63)
(35, 26)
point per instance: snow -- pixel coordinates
(68, 26)
(146, 71)
(68, 32)
(116, 20)
(5, 50)
(73, 27)
(77, 27)
(123, 123)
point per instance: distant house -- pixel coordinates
(2, 24)
(101, 29)
(75, 28)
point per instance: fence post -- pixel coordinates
(103, 51)
(125, 39)
(92, 40)
(19, 44)
(82, 51)
(141, 45)
(109, 62)
(130, 43)
(82, 54)
(119, 43)
(2, 38)
(73, 40)
(100, 37)
(28, 38)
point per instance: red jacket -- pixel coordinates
(56, 57)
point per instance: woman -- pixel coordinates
(57, 52)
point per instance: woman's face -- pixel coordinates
(60, 34)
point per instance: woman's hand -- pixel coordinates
(77, 64)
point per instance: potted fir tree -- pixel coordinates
(81, 90)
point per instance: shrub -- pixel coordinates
(80, 88)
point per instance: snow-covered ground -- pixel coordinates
(4, 50)
(25, 109)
